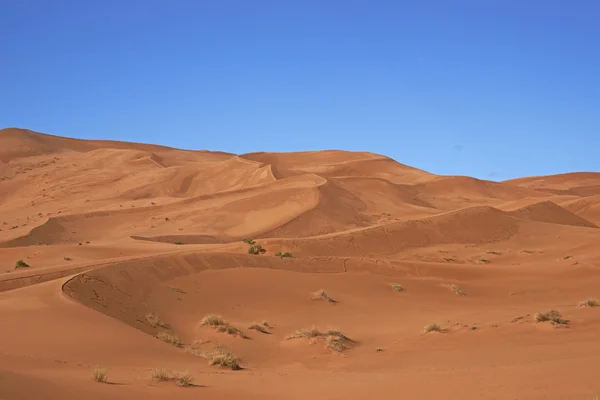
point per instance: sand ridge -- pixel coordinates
(123, 244)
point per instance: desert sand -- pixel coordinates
(123, 243)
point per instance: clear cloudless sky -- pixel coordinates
(494, 89)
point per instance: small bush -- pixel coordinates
(552, 316)
(100, 375)
(213, 320)
(256, 249)
(179, 243)
(21, 264)
(397, 287)
(432, 328)
(284, 255)
(322, 295)
(184, 379)
(249, 241)
(232, 330)
(224, 358)
(169, 338)
(161, 375)
(588, 303)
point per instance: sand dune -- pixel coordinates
(109, 246)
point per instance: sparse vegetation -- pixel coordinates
(153, 320)
(215, 321)
(567, 257)
(484, 260)
(432, 328)
(447, 259)
(161, 375)
(397, 287)
(336, 340)
(179, 243)
(284, 255)
(259, 327)
(170, 338)
(184, 379)
(100, 375)
(178, 290)
(458, 291)
(378, 349)
(551, 316)
(497, 253)
(322, 295)
(223, 358)
(256, 249)
(249, 241)
(588, 303)
(21, 264)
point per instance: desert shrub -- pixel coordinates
(153, 320)
(179, 243)
(397, 287)
(458, 291)
(249, 241)
(259, 327)
(21, 264)
(223, 358)
(552, 316)
(184, 379)
(170, 338)
(213, 320)
(335, 340)
(256, 249)
(588, 303)
(161, 375)
(100, 375)
(321, 294)
(432, 328)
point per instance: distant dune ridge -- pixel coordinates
(140, 233)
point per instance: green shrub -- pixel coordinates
(21, 264)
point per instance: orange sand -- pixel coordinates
(97, 223)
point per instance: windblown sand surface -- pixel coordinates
(127, 242)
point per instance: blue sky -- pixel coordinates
(488, 88)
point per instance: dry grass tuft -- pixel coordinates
(397, 287)
(170, 338)
(552, 316)
(588, 303)
(223, 358)
(100, 375)
(184, 379)
(433, 328)
(215, 321)
(161, 375)
(322, 295)
(153, 320)
(259, 327)
(336, 340)
(458, 291)
(232, 330)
